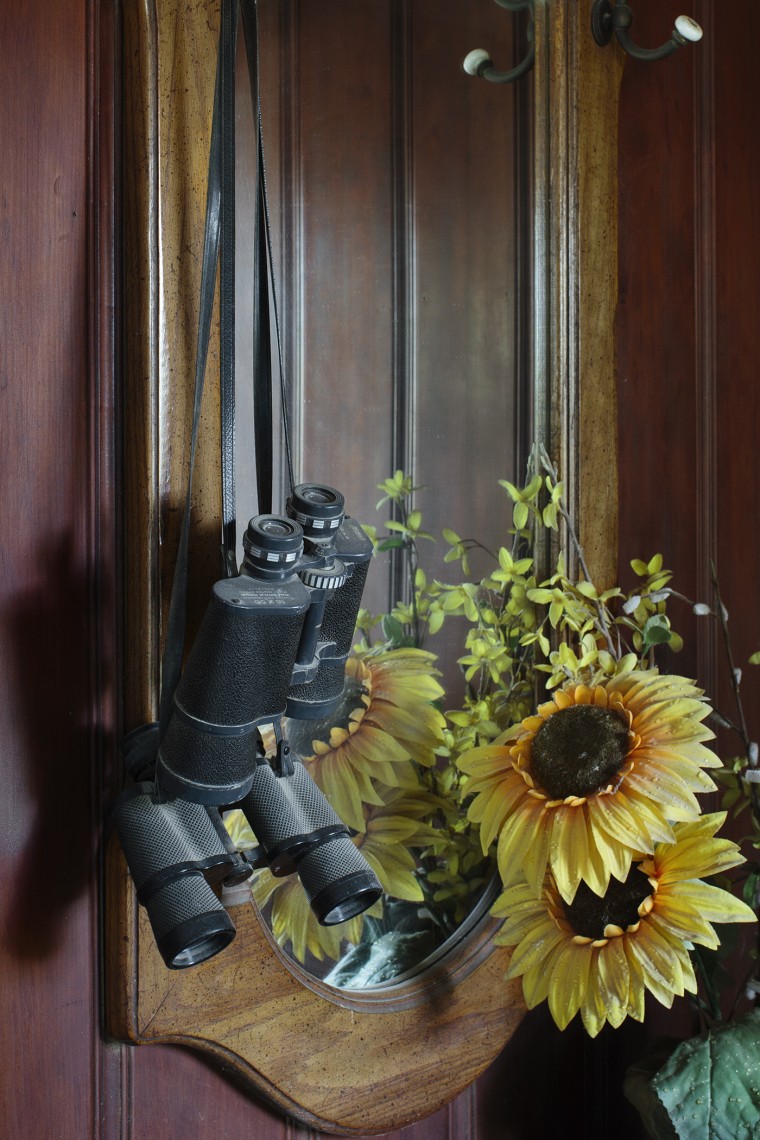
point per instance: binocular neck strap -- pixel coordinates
(219, 247)
(265, 310)
(174, 643)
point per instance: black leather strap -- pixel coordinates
(263, 420)
(174, 644)
(226, 127)
(219, 246)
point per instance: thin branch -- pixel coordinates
(585, 571)
(722, 618)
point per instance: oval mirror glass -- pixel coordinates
(399, 194)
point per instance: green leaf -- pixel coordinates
(393, 631)
(710, 1085)
(639, 1090)
(656, 631)
(749, 889)
(755, 658)
(588, 589)
(390, 544)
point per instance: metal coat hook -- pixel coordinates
(479, 62)
(617, 17)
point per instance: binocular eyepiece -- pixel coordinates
(273, 642)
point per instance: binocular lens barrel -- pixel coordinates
(173, 850)
(338, 881)
(189, 922)
(299, 831)
(288, 814)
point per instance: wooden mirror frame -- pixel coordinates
(342, 1062)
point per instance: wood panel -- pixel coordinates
(397, 181)
(687, 340)
(57, 668)
(687, 343)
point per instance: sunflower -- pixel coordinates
(600, 955)
(597, 774)
(388, 720)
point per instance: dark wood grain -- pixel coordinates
(57, 600)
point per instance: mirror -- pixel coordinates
(399, 192)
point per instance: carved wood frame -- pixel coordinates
(369, 1062)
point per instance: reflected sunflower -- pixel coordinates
(597, 774)
(598, 955)
(392, 832)
(388, 719)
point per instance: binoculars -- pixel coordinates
(273, 643)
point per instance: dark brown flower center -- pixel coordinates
(578, 750)
(589, 915)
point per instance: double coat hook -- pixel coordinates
(608, 18)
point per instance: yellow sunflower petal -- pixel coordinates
(680, 919)
(659, 964)
(535, 858)
(568, 850)
(536, 979)
(339, 785)
(636, 985)
(534, 950)
(615, 858)
(693, 858)
(621, 823)
(516, 837)
(613, 980)
(488, 760)
(569, 981)
(710, 903)
(593, 1009)
(491, 808)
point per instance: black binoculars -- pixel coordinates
(273, 643)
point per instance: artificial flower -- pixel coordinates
(600, 772)
(598, 955)
(391, 720)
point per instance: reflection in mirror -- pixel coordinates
(398, 194)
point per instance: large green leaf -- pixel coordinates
(639, 1088)
(710, 1085)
